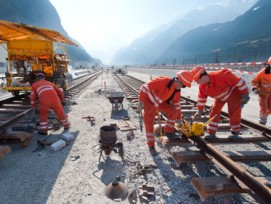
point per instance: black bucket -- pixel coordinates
(108, 138)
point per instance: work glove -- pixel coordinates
(198, 114)
(63, 102)
(255, 90)
(140, 106)
(244, 99)
(179, 122)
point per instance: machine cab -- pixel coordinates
(31, 50)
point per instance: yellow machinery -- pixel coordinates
(31, 50)
(193, 128)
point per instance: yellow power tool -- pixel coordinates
(193, 128)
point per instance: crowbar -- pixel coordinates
(140, 118)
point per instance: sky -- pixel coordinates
(104, 26)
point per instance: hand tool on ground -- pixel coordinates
(193, 128)
(140, 119)
(91, 119)
(42, 143)
(159, 123)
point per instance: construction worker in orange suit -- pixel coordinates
(50, 97)
(162, 93)
(224, 87)
(261, 85)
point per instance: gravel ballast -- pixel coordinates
(74, 174)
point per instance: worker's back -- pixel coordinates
(45, 90)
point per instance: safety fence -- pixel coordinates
(242, 67)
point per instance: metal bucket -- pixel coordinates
(108, 138)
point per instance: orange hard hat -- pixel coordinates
(197, 71)
(269, 60)
(185, 77)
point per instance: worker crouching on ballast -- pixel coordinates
(50, 97)
(224, 87)
(163, 93)
(261, 85)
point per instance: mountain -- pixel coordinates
(135, 53)
(41, 13)
(148, 48)
(247, 38)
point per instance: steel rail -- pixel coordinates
(127, 84)
(17, 117)
(260, 191)
(244, 122)
(237, 170)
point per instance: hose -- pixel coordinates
(31, 118)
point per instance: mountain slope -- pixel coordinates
(247, 38)
(139, 53)
(40, 13)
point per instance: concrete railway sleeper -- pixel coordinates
(236, 179)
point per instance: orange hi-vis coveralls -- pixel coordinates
(49, 98)
(262, 82)
(160, 94)
(224, 87)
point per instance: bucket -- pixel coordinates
(108, 138)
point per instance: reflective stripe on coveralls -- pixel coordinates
(150, 138)
(224, 87)
(265, 107)
(226, 94)
(43, 88)
(234, 109)
(262, 82)
(177, 105)
(154, 99)
(150, 113)
(43, 126)
(154, 96)
(49, 97)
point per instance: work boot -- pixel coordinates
(152, 150)
(210, 136)
(233, 135)
(66, 128)
(262, 122)
(171, 135)
(42, 133)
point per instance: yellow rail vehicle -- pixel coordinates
(31, 50)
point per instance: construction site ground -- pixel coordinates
(74, 173)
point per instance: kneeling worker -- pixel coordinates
(224, 87)
(163, 93)
(49, 96)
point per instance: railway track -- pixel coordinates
(241, 165)
(16, 110)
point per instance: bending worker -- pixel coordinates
(261, 85)
(224, 87)
(163, 93)
(49, 96)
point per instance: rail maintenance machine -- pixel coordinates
(193, 128)
(31, 50)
